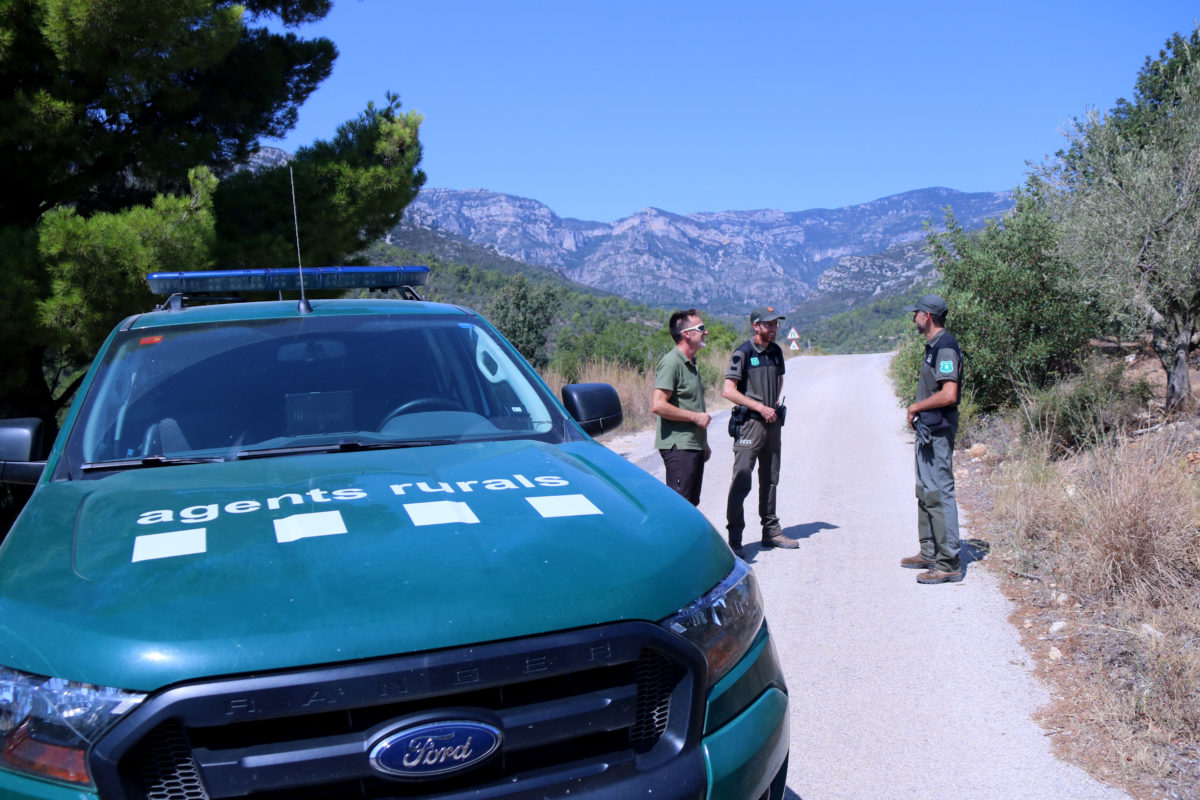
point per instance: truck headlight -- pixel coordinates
(723, 622)
(48, 724)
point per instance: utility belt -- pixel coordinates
(939, 421)
(740, 414)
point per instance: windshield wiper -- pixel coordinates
(348, 446)
(148, 461)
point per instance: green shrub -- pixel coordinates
(905, 367)
(1015, 308)
(1086, 410)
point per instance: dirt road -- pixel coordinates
(898, 690)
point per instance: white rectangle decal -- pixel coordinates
(440, 513)
(304, 526)
(563, 505)
(168, 545)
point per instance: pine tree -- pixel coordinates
(123, 126)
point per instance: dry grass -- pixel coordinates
(634, 386)
(1107, 542)
(1120, 520)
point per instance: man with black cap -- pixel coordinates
(754, 381)
(934, 417)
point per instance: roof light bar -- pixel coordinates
(271, 280)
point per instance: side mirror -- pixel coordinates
(20, 445)
(595, 406)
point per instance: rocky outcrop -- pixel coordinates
(890, 272)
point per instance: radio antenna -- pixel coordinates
(304, 307)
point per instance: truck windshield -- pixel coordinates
(247, 388)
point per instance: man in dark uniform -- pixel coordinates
(934, 416)
(754, 381)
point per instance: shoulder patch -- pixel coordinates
(946, 367)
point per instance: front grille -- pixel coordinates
(583, 705)
(655, 681)
(165, 768)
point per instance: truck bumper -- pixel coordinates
(17, 787)
(742, 754)
(748, 734)
(745, 757)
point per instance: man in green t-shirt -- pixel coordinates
(678, 400)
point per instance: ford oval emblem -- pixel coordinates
(435, 748)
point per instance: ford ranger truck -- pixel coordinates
(355, 548)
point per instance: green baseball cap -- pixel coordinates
(764, 314)
(931, 304)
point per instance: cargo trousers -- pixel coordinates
(937, 508)
(759, 441)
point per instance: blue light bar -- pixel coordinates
(272, 280)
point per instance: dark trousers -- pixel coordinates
(685, 471)
(757, 441)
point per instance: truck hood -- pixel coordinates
(154, 576)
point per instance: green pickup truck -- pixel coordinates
(355, 548)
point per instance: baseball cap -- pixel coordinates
(931, 304)
(764, 314)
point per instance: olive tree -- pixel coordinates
(1129, 212)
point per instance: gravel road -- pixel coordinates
(898, 690)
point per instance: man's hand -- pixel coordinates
(731, 393)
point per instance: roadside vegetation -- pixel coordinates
(1087, 497)
(634, 385)
(1079, 455)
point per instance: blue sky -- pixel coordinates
(598, 109)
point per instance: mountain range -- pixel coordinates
(723, 261)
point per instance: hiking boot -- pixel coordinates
(780, 541)
(938, 576)
(917, 562)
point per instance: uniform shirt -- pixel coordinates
(943, 362)
(757, 371)
(679, 376)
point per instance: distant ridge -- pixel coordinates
(724, 261)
